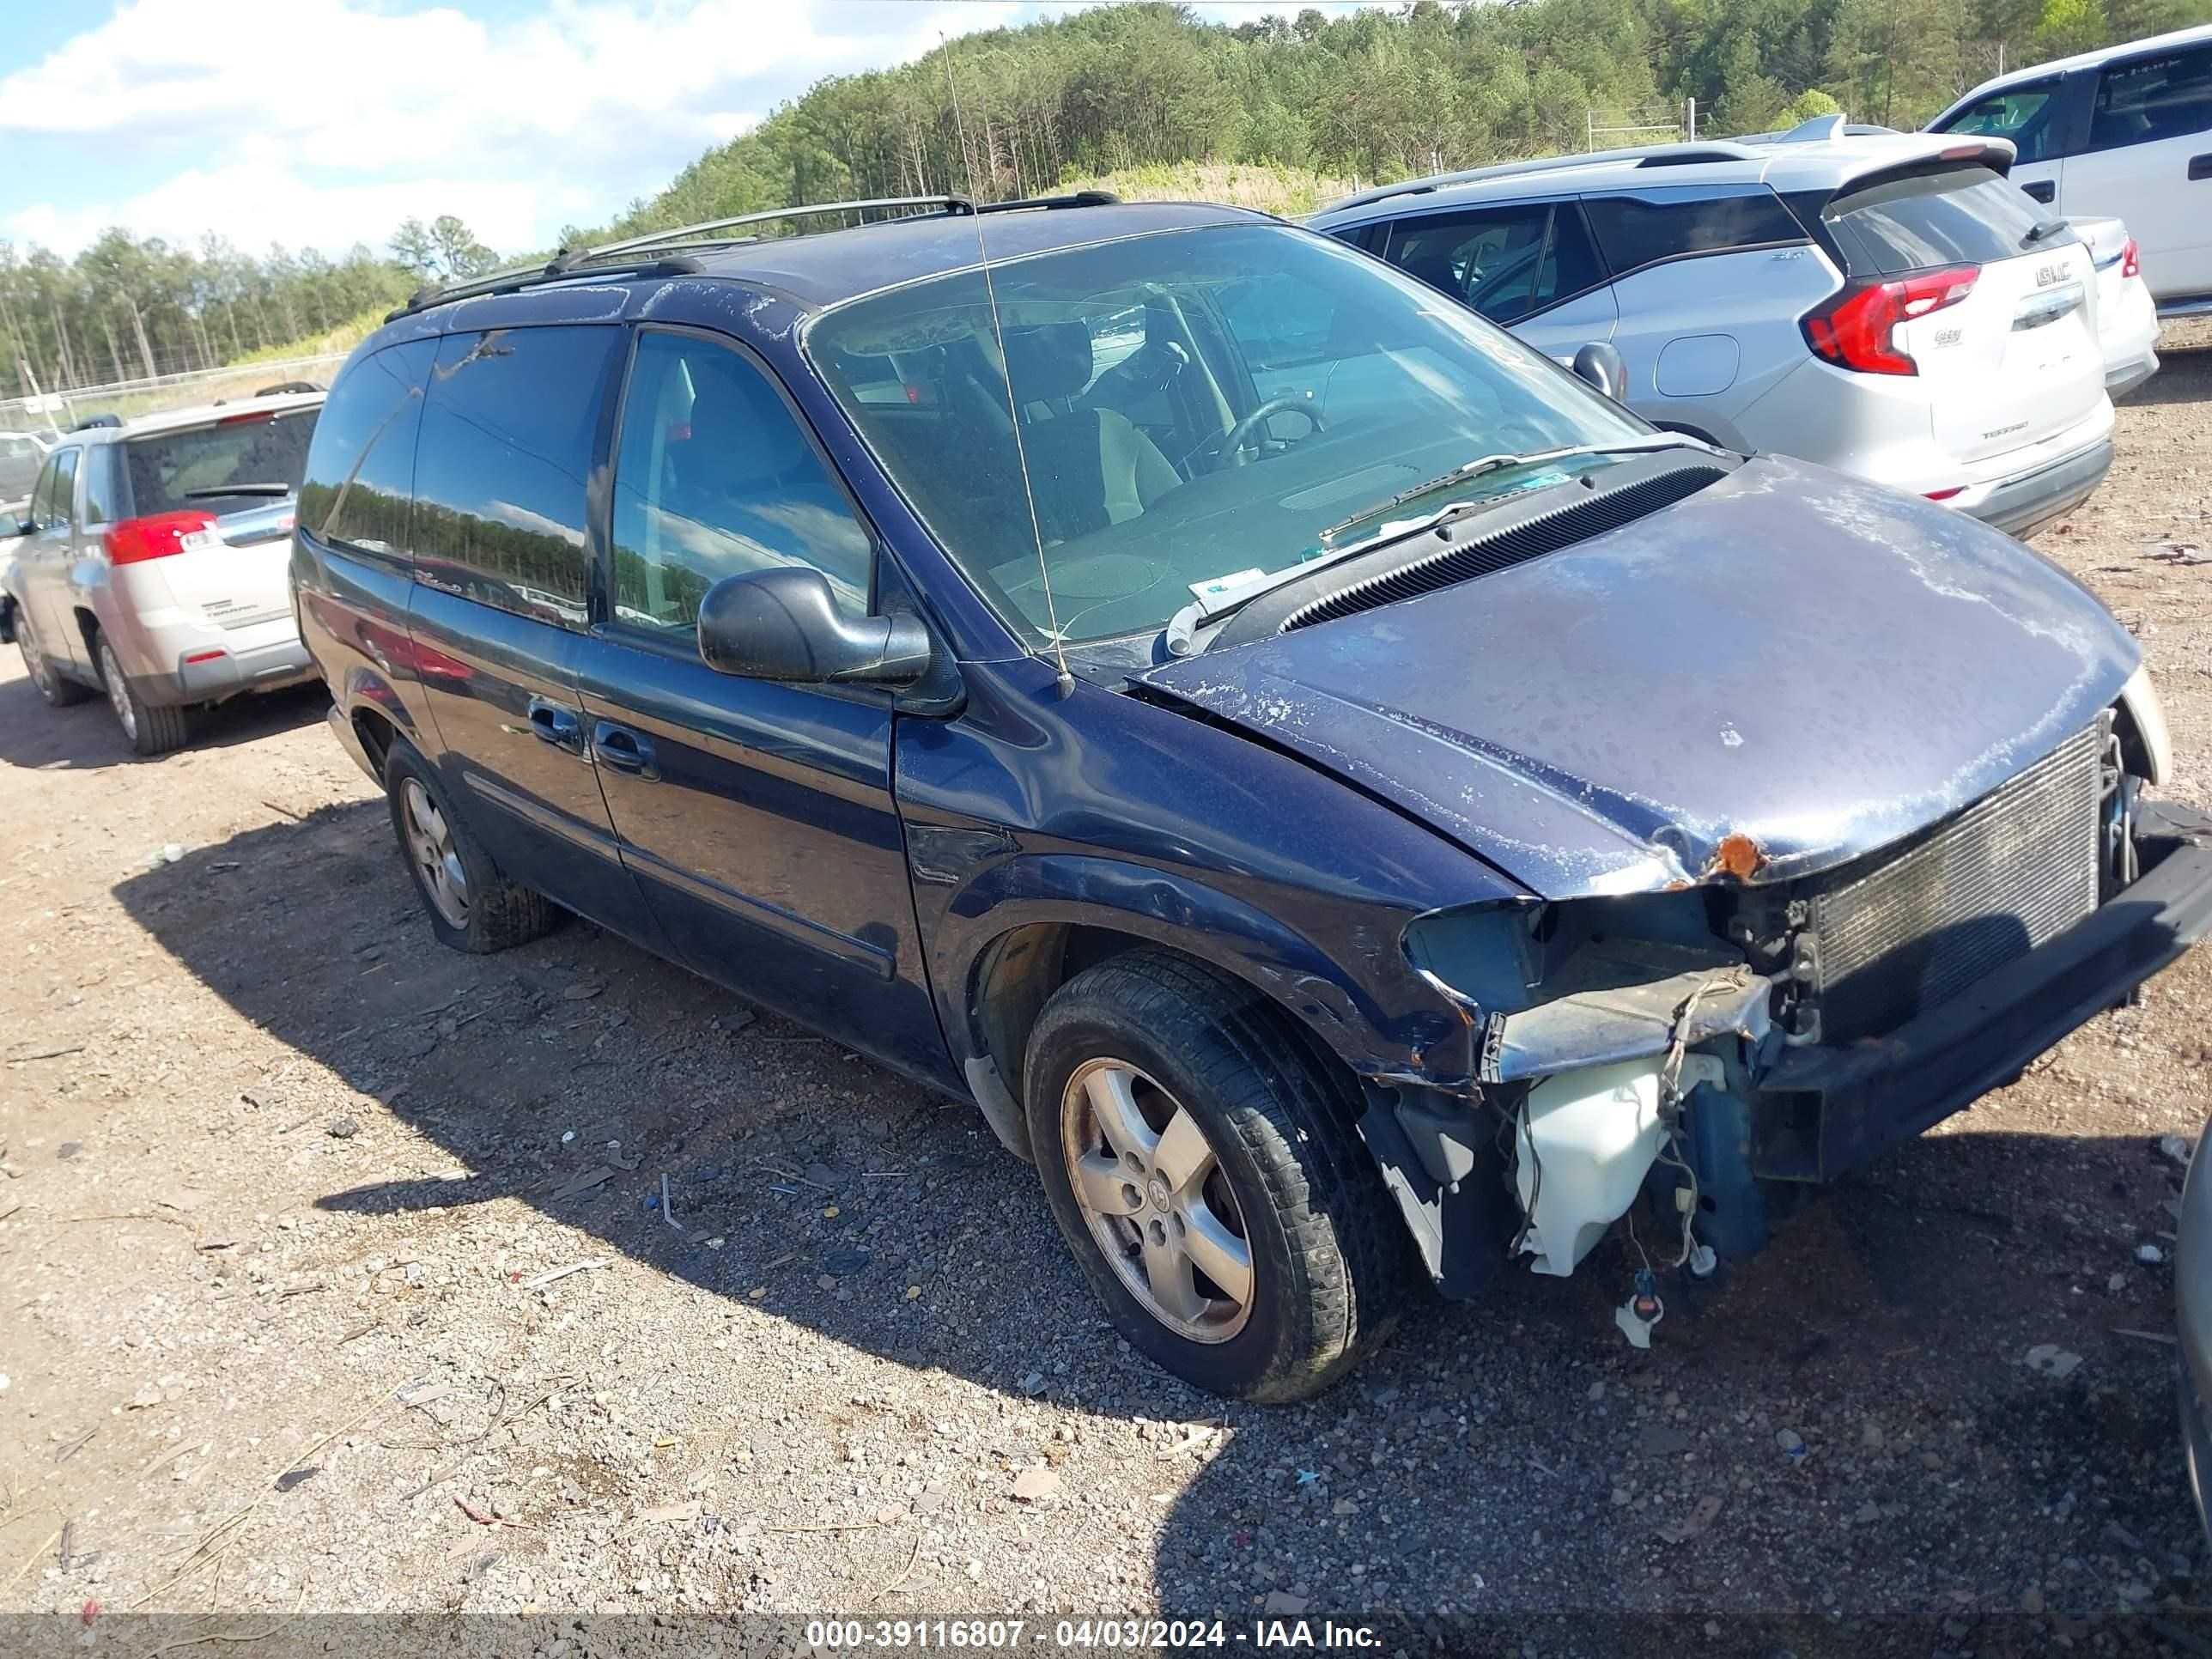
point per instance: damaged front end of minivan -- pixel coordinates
(1695, 1057)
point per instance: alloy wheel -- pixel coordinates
(437, 860)
(34, 659)
(1157, 1200)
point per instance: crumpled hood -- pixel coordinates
(1814, 663)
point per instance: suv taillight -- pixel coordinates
(2130, 260)
(1855, 328)
(157, 536)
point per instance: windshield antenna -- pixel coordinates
(1021, 455)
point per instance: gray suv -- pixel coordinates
(1886, 304)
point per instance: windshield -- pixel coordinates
(1196, 408)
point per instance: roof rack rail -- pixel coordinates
(585, 261)
(1642, 155)
(568, 261)
(517, 278)
(1074, 198)
(91, 421)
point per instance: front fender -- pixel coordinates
(1375, 1033)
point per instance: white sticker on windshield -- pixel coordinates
(1216, 588)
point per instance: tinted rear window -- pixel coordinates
(1958, 215)
(1641, 230)
(170, 472)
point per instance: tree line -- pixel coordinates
(131, 307)
(1372, 96)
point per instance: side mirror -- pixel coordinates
(25, 527)
(1599, 363)
(786, 625)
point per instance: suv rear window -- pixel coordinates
(1963, 215)
(171, 471)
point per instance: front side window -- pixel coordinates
(1179, 464)
(1955, 215)
(502, 463)
(61, 507)
(2142, 102)
(715, 477)
(2025, 114)
(42, 494)
(359, 469)
(1506, 262)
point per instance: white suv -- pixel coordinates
(154, 562)
(2125, 133)
(1884, 304)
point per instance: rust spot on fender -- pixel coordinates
(1738, 856)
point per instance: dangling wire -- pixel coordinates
(1022, 457)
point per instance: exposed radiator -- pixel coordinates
(1900, 934)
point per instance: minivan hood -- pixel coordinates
(1791, 656)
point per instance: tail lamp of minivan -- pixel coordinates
(2130, 260)
(133, 541)
(1856, 328)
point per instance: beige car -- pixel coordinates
(151, 566)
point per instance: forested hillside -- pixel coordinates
(1277, 111)
(1376, 95)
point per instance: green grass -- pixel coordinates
(1291, 191)
(339, 340)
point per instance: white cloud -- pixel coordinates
(320, 122)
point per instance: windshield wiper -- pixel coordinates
(1482, 464)
(1182, 628)
(209, 493)
(2041, 229)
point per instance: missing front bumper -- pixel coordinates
(1822, 1111)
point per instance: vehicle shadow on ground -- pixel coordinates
(1513, 1457)
(85, 737)
(2184, 376)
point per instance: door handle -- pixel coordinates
(2200, 167)
(553, 724)
(2042, 189)
(624, 750)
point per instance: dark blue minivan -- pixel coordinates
(1348, 801)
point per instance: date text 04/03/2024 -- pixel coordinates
(1010, 1635)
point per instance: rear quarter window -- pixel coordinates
(171, 471)
(360, 479)
(1635, 231)
(1953, 216)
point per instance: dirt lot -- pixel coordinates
(282, 1180)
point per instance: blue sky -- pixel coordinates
(317, 122)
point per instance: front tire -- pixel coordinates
(152, 730)
(1200, 1161)
(472, 905)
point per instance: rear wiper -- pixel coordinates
(271, 490)
(2041, 229)
(1482, 464)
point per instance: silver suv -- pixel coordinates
(1884, 304)
(152, 563)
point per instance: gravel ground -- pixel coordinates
(285, 1185)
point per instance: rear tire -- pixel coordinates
(55, 689)
(472, 905)
(151, 730)
(1200, 1158)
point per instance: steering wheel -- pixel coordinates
(1244, 433)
